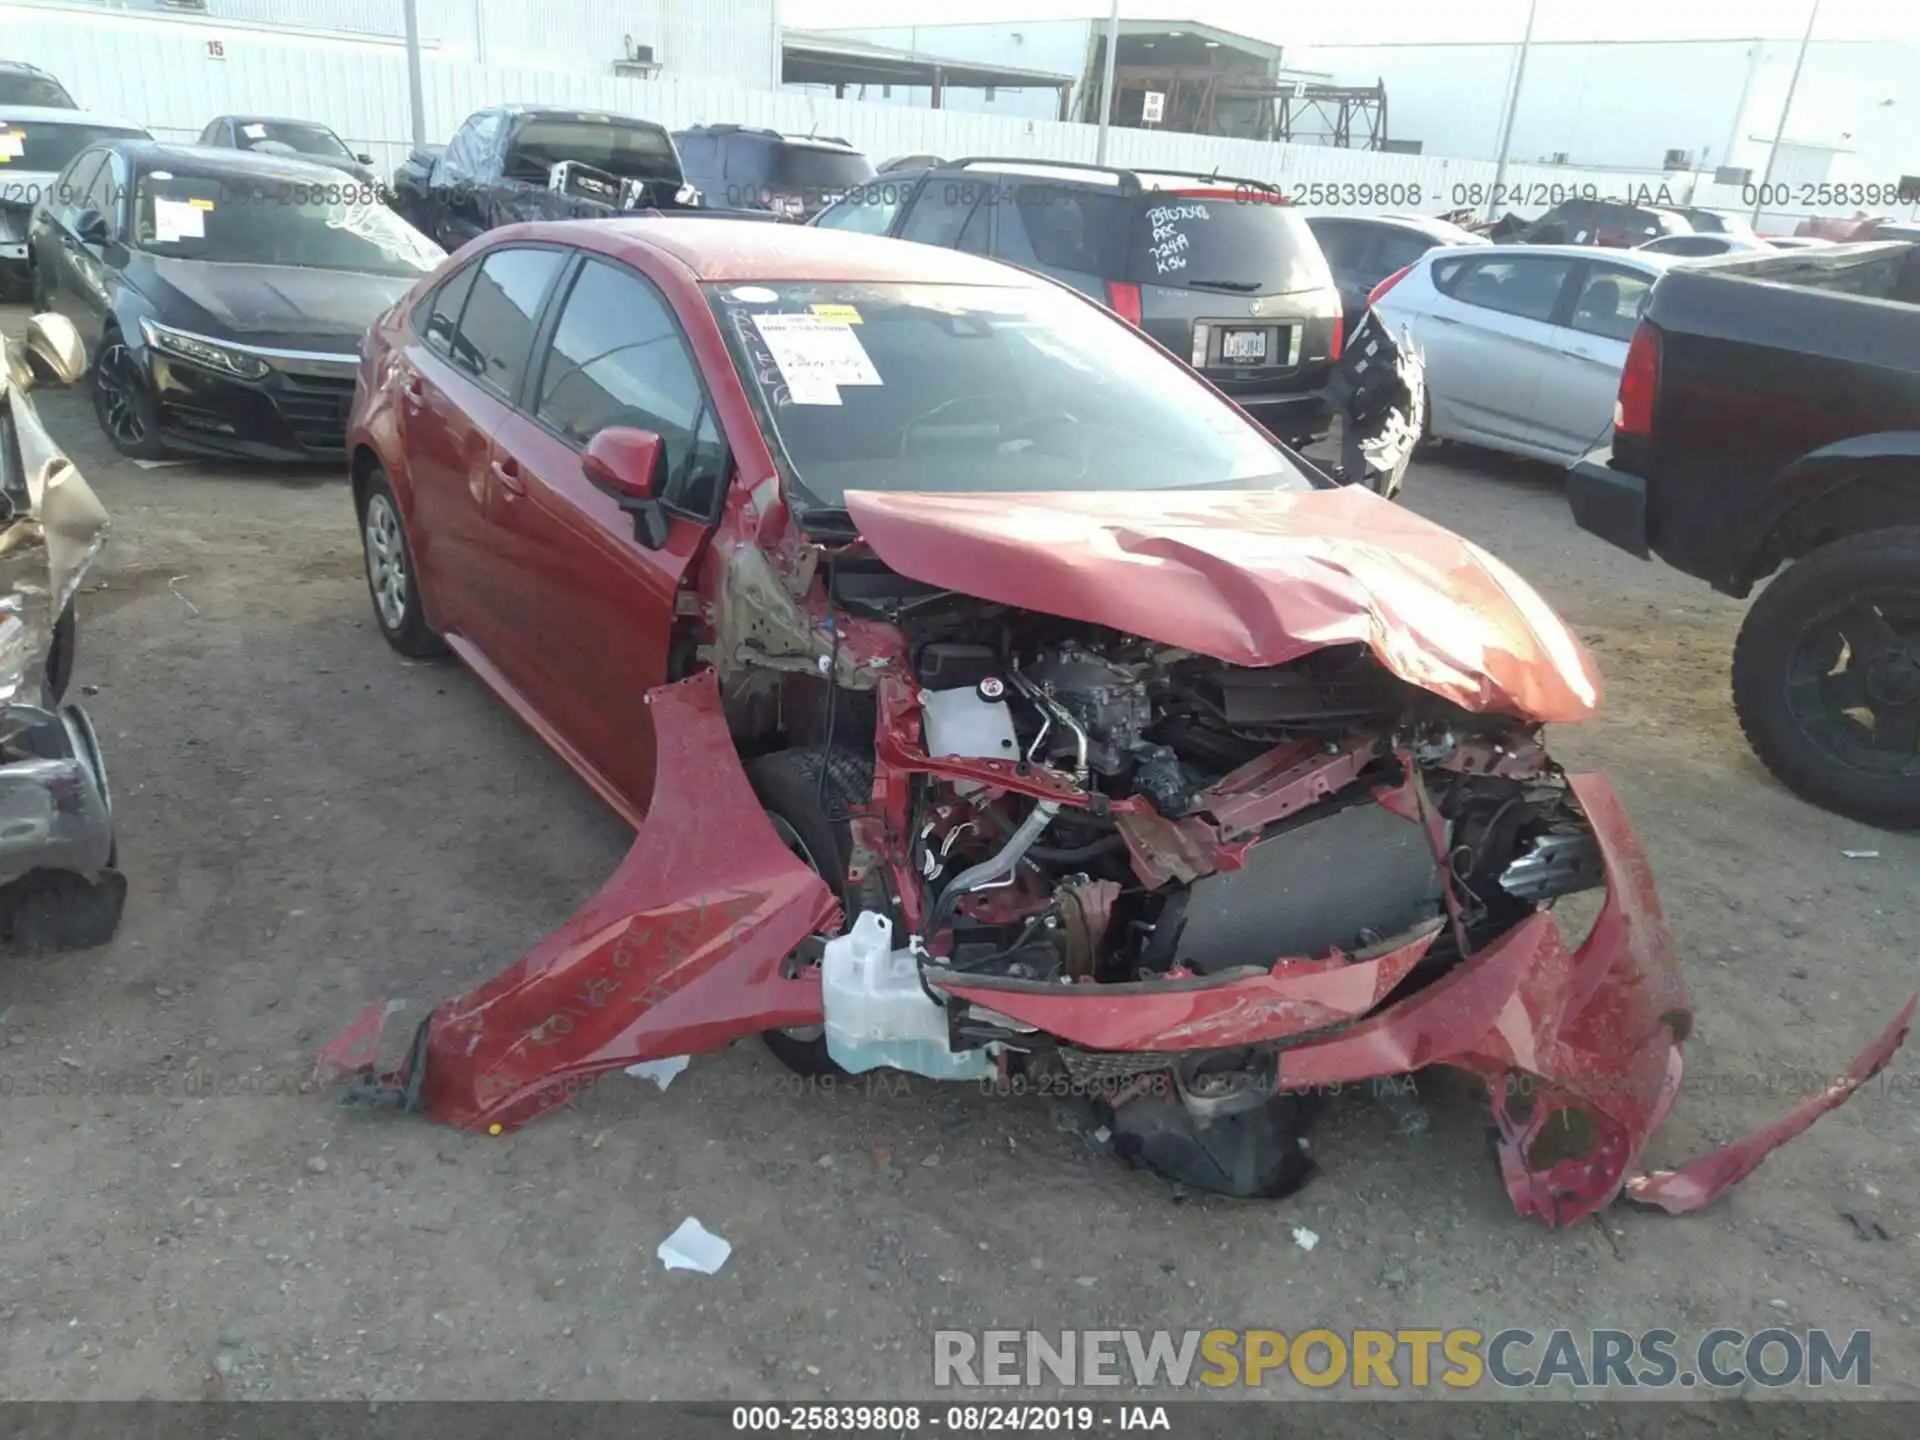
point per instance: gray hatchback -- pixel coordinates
(1221, 271)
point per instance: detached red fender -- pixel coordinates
(679, 952)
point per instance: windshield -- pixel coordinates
(966, 389)
(1240, 244)
(806, 168)
(275, 222)
(632, 151)
(299, 137)
(26, 87)
(37, 145)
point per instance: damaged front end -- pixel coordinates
(59, 888)
(1195, 807)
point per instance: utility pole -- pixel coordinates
(1106, 83)
(1513, 109)
(1780, 130)
(415, 96)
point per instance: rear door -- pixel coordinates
(467, 374)
(1238, 286)
(1573, 402)
(614, 355)
(1488, 335)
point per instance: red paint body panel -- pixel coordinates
(1253, 578)
(1700, 1182)
(680, 952)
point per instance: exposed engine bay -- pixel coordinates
(1278, 770)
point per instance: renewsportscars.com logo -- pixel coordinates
(1719, 1359)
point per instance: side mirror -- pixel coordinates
(55, 350)
(630, 465)
(91, 226)
(364, 159)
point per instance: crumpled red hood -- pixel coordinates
(1252, 578)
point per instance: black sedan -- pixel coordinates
(222, 294)
(1363, 250)
(293, 139)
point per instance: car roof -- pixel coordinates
(559, 112)
(1431, 225)
(1652, 259)
(251, 119)
(217, 161)
(720, 250)
(59, 115)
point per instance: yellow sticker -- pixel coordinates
(838, 314)
(200, 204)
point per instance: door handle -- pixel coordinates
(413, 390)
(507, 472)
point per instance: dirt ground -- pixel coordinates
(309, 823)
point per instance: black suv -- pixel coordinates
(1611, 223)
(795, 176)
(24, 84)
(1221, 271)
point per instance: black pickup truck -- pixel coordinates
(1769, 416)
(517, 162)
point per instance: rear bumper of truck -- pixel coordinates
(1609, 502)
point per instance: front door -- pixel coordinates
(605, 603)
(1487, 337)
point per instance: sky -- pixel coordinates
(1291, 23)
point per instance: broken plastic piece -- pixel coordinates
(1305, 1238)
(1699, 1183)
(878, 1013)
(661, 1072)
(694, 1247)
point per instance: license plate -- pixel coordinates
(1243, 347)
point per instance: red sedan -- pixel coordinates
(876, 581)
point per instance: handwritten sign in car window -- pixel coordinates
(1167, 243)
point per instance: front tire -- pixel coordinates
(1826, 677)
(123, 404)
(393, 582)
(789, 786)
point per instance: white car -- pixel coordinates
(1696, 246)
(1523, 344)
(35, 145)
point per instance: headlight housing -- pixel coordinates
(203, 352)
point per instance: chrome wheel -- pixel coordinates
(386, 563)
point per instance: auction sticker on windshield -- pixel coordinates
(177, 220)
(13, 145)
(816, 357)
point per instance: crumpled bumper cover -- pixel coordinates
(681, 952)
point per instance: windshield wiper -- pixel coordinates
(1238, 287)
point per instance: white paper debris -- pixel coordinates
(12, 145)
(694, 1247)
(1861, 854)
(177, 220)
(661, 1072)
(254, 132)
(816, 357)
(1304, 1237)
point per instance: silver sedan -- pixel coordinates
(1523, 344)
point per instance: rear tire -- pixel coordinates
(393, 580)
(788, 784)
(1801, 707)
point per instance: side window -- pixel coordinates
(496, 327)
(618, 358)
(1063, 228)
(442, 323)
(1610, 302)
(941, 211)
(103, 194)
(1398, 248)
(1340, 242)
(70, 190)
(1527, 286)
(696, 153)
(868, 209)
